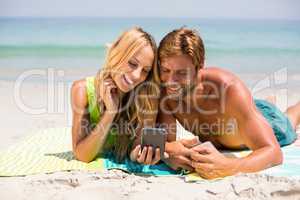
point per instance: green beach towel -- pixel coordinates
(50, 150)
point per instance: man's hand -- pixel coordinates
(179, 162)
(181, 147)
(209, 163)
(179, 153)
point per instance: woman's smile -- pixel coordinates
(127, 80)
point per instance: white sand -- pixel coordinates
(116, 184)
(15, 124)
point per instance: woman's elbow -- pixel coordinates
(80, 156)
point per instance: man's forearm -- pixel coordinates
(258, 160)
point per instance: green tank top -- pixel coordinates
(95, 112)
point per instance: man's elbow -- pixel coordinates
(277, 155)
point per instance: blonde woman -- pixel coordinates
(110, 109)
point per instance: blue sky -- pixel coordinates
(252, 9)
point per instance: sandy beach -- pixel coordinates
(17, 123)
(119, 185)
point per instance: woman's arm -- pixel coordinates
(86, 143)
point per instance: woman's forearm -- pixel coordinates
(87, 149)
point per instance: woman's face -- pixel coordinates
(135, 70)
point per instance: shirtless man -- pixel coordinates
(216, 106)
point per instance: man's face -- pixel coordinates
(178, 75)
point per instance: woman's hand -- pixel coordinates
(109, 95)
(145, 155)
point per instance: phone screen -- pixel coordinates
(154, 137)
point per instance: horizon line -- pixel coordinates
(148, 17)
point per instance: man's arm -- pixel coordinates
(178, 151)
(255, 132)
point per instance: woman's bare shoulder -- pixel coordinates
(79, 93)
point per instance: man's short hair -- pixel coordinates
(183, 41)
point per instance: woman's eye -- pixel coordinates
(146, 71)
(131, 64)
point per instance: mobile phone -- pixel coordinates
(154, 137)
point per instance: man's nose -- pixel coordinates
(172, 78)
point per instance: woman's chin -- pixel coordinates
(122, 85)
(123, 88)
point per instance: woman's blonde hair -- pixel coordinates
(141, 103)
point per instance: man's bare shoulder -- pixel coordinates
(219, 75)
(238, 98)
(235, 92)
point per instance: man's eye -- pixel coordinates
(164, 70)
(182, 72)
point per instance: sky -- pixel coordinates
(236, 9)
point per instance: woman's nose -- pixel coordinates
(136, 74)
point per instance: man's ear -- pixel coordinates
(199, 81)
(199, 75)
